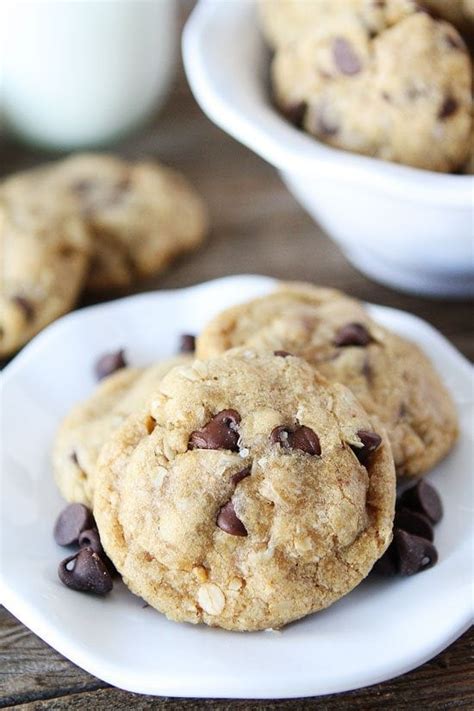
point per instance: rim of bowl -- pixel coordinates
(292, 151)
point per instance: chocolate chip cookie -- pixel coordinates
(249, 493)
(140, 215)
(403, 95)
(390, 376)
(44, 250)
(285, 21)
(86, 428)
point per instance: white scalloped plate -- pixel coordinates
(380, 630)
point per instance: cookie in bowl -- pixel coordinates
(285, 21)
(402, 95)
(392, 378)
(249, 493)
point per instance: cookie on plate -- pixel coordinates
(285, 21)
(249, 493)
(403, 95)
(390, 376)
(44, 251)
(141, 216)
(85, 429)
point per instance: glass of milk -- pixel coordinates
(82, 73)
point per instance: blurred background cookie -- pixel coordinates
(44, 254)
(140, 215)
(403, 95)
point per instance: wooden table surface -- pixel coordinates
(257, 227)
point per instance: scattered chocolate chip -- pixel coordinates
(295, 113)
(236, 478)
(71, 522)
(221, 432)
(229, 522)
(414, 553)
(370, 442)
(282, 354)
(74, 458)
(85, 571)
(415, 523)
(448, 108)
(26, 306)
(187, 343)
(386, 97)
(352, 334)
(300, 437)
(423, 498)
(345, 58)
(387, 565)
(90, 539)
(109, 363)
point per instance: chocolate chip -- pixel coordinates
(415, 523)
(352, 334)
(229, 522)
(74, 458)
(85, 571)
(345, 58)
(295, 113)
(370, 442)
(387, 565)
(448, 108)
(236, 478)
(423, 498)
(187, 343)
(415, 554)
(71, 522)
(26, 306)
(109, 363)
(90, 539)
(282, 354)
(221, 432)
(300, 437)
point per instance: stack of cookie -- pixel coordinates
(253, 482)
(389, 79)
(90, 222)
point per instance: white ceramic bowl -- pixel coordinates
(408, 228)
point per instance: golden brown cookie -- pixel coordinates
(249, 493)
(140, 215)
(390, 376)
(44, 250)
(85, 429)
(403, 95)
